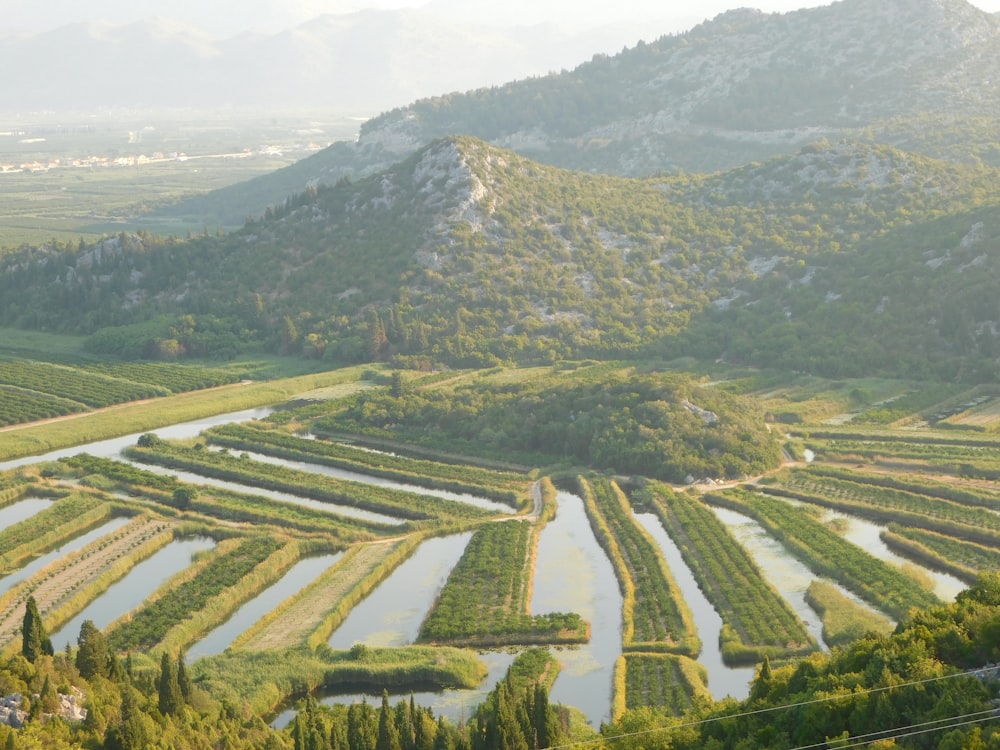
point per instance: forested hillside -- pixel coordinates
(470, 255)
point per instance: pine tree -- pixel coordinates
(92, 654)
(170, 699)
(48, 699)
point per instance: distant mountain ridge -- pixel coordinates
(350, 63)
(920, 74)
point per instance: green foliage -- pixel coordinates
(484, 601)
(35, 640)
(760, 622)
(844, 620)
(662, 426)
(152, 622)
(654, 615)
(92, 656)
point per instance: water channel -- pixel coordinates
(393, 613)
(353, 476)
(789, 576)
(22, 510)
(723, 680)
(297, 578)
(67, 548)
(133, 589)
(572, 574)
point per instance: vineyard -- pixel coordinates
(31, 390)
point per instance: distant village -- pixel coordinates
(138, 160)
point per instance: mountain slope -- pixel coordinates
(471, 254)
(921, 74)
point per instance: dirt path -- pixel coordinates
(55, 584)
(295, 622)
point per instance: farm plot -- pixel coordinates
(406, 505)
(654, 615)
(962, 559)
(321, 606)
(18, 406)
(174, 377)
(69, 580)
(506, 487)
(983, 413)
(827, 554)
(68, 516)
(485, 602)
(760, 622)
(222, 504)
(90, 389)
(175, 601)
(844, 620)
(663, 680)
(886, 505)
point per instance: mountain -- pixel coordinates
(350, 63)
(923, 75)
(470, 254)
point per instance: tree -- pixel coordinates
(388, 735)
(170, 699)
(92, 654)
(183, 679)
(34, 640)
(130, 734)
(362, 726)
(184, 496)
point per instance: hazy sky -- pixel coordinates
(224, 18)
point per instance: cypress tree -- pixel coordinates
(34, 640)
(388, 735)
(183, 679)
(170, 699)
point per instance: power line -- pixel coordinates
(759, 711)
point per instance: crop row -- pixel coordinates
(654, 615)
(64, 519)
(151, 623)
(962, 559)
(884, 514)
(226, 505)
(175, 378)
(18, 406)
(221, 465)
(809, 487)
(126, 475)
(664, 681)
(761, 621)
(971, 496)
(433, 474)
(87, 388)
(827, 554)
(485, 601)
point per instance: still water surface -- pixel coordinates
(297, 578)
(132, 590)
(722, 679)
